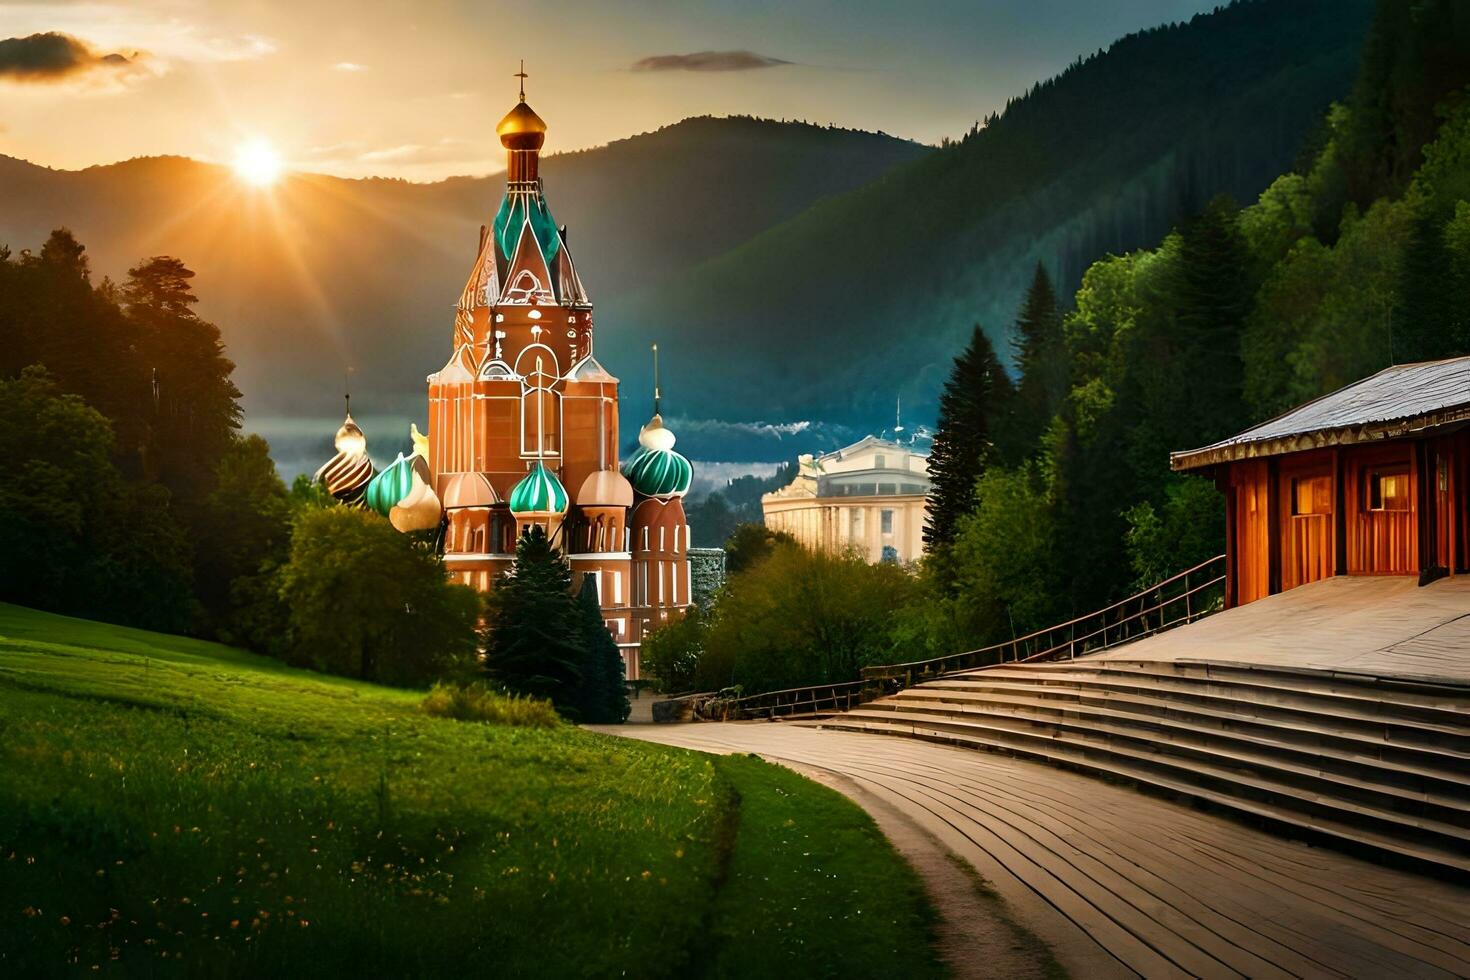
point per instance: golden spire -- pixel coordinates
(521, 129)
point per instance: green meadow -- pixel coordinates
(170, 806)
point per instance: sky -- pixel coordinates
(413, 88)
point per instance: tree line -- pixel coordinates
(137, 500)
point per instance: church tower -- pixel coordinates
(523, 420)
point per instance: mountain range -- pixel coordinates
(798, 278)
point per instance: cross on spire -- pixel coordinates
(522, 76)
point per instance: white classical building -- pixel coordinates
(870, 496)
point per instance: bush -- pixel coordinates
(671, 652)
(366, 601)
(477, 701)
(799, 617)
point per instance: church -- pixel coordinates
(523, 428)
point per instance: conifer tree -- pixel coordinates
(534, 645)
(975, 397)
(197, 407)
(1213, 298)
(603, 698)
(1041, 359)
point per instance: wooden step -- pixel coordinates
(1294, 782)
(1293, 767)
(1327, 712)
(1443, 703)
(1425, 769)
(1322, 817)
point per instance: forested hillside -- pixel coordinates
(1052, 493)
(322, 273)
(888, 280)
(1357, 258)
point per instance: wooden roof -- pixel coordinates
(1397, 401)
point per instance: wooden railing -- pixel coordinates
(815, 700)
(1180, 599)
(1175, 601)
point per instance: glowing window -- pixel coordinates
(1311, 495)
(1389, 489)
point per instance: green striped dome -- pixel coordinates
(658, 473)
(390, 486)
(539, 492)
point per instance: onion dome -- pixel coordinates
(350, 439)
(655, 470)
(469, 490)
(390, 486)
(346, 474)
(539, 492)
(605, 488)
(521, 129)
(419, 510)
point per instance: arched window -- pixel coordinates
(540, 409)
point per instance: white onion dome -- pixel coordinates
(605, 488)
(350, 438)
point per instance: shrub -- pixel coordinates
(364, 600)
(798, 617)
(477, 701)
(671, 652)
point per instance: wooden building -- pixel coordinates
(1369, 480)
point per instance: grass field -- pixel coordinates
(170, 806)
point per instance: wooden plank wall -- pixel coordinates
(1380, 542)
(1306, 498)
(1250, 484)
(1450, 461)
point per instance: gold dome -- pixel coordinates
(521, 129)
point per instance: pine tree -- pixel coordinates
(975, 397)
(1212, 301)
(604, 697)
(534, 645)
(1041, 358)
(1425, 322)
(197, 406)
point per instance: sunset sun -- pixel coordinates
(257, 163)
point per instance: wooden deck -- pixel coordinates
(1379, 625)
(1120, 883)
